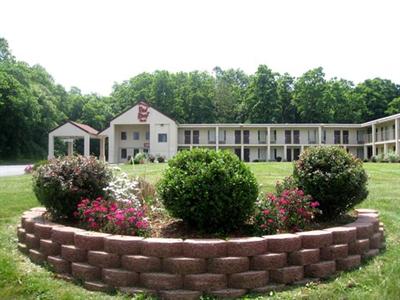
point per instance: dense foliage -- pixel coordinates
(63, 182)
(211, 190)
(31, 103)
(333, 177)
(288, 211)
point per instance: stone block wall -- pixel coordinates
(187, 269)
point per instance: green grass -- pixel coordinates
(377, 279)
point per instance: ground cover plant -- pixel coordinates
(378, 279)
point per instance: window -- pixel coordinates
(211, 136)
(147, 135)
(288, 136)
(296, 137)
(222, 136)
(123, 135)
(262, 137)
(145, 150)
(345, 136)
(196, 137)
(246, 137)
(187, 136)
(360, 137)
(324, 137)
(123, 153)
(312, 136)
(238, 138)
(162, 137)
(136, 136)
(273, 137)
(337, 137)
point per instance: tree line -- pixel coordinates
(32, 103)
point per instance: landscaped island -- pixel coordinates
(97, 227)
(186, 269)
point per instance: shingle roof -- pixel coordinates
(85, 127)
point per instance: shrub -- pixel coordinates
(208, 189)
(112, 217)
(140, 158)
(291, 211)
(152, 158)
(288, 183)
(39, 163)
(161, 158)
(333, 177)
(122, 189)
(28, 169)
(63, 182)
(393, 157)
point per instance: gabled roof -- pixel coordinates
(130, 107)
(83, 127)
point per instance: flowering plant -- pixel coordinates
(123, 189)
(28, 169)
(291, 211)
(112, 217)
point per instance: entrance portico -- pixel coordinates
(71, 131)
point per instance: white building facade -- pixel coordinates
(142, 128)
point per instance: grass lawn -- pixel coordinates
(377, 279)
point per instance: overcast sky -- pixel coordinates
(92, 44)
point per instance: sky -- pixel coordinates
(94, 44)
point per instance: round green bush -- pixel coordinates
(210, 190)
(333, 177)
(62, 183)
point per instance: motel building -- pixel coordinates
(142, 128)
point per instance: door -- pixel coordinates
(237, 137)
(288, 154)
(237, 152)
(246, 154)
(296, 153)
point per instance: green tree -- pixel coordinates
(377, 94)
(5, 52)
(230, 91)
(261, 101)
(393, 107)
(286, 108)
(309, 98)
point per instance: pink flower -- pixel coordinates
(314, 204)
(266, 211)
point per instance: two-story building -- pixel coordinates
(143, 128)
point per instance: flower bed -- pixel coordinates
(187, 269)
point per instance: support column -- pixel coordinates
(216, 138)
(51, 147)
(111, 145)
(241, 145)
(365, 152)
(397, 135)
(284, 153)
(86, 148)
(70, 146)
(385, 149)
(301, 149)
(320, 135)
(373, 139)
(102, 149)
(268, 143)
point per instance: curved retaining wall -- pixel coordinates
(187, 269)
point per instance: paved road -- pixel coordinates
(12, 170)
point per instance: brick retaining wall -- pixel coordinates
(187, 269)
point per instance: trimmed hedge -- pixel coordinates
(211, 190)
(333, 177)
